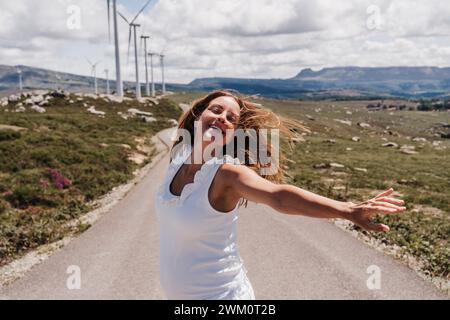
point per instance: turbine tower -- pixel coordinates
(94, 72)
(119, 84)
(107, 81)
(19, 72)
(161, 60)
(151, 54)
(136, 62)
(147, 87)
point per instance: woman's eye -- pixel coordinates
(215, 110)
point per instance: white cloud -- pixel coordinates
(234, 38)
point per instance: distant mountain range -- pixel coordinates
(338, 82)
(407, 82)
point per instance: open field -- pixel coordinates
(54, 164)
(346, 161)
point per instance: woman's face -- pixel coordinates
(221, 116)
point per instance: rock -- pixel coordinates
(40, 92)
(363, 125)
(149, 119)
(361, 169)
(347, 122)
(348, 112)
(20, 109)
(318, 110)
(20, 104)
(113, 98)
(390, 144)
(139, 112)
(356, 139)
(331, 141)
(104, 145)
(29, 101)
(4, 103)
(71, 101)
(406, 149)
(44, 103)
(79, 99)
(348, 149)
(37, 99)
(38, 109)
(321, 166)
(173, 121)
(419, 139)
(85, 105)
(126, 146)
(58, 94)
(13, 98)
(96, 112)
(91, 95)
(336, 165)
(148, 99)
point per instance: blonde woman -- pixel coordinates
(197, 204)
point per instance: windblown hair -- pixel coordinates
(252, 116)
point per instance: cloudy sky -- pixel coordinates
(232, 38)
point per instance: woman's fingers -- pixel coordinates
(385, 193)
(398, 202)
(387, 205)
(373, 209)
(379, 227)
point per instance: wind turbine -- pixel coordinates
(58, 82)
(151, 54)
(147, 87)
(161, 60)
(19, 72)
(136, 62)
(119, 84)
(94, 72)
(107, 82)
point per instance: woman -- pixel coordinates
(197, 202)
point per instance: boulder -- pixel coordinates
(38, 109)
(390, 144)
(96, 112)
(13, 98)
(363, 125)
(347, 122)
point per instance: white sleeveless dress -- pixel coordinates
(199, 257)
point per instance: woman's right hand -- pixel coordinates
(361, 213)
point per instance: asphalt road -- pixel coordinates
(287, 257)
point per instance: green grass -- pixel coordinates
(83, 148)
(422, 179)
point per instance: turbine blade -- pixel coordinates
(89, 61)
(123, 17)
(142, 9)
(129, 43)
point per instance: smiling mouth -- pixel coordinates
(212, 126)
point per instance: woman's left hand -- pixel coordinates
(361, 213)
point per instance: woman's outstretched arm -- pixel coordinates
(245, 183)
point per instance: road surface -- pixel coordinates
(287, 257)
